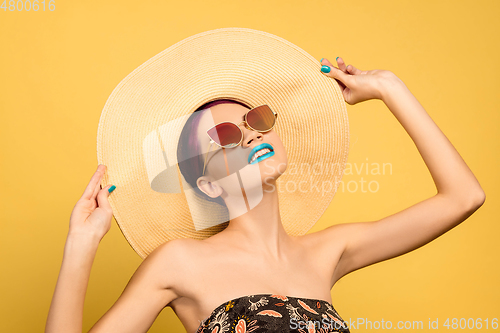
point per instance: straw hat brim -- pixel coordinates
(246, 65)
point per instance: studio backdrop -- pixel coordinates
(60, 63)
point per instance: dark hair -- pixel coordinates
(192, 167)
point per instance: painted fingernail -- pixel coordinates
(321, 59)
(325, 69)
(111, 189)
(336, 59)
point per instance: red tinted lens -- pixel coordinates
(225, 134)
(261, 118)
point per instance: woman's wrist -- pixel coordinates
(388, 85)
(83, 241)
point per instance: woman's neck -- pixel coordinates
(260, 229)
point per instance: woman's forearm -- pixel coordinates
(450, 173)
(66, 310)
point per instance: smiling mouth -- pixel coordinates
(259, 154)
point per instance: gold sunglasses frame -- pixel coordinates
(245, 122)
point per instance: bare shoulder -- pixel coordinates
(154, 285)
(178, 250)
(332, 237)
(177, 260)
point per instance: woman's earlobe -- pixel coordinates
(206, 186)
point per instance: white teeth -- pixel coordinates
(260, 153)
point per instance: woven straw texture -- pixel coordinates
(246, 65)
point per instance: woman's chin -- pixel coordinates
(272, 168)
(271, 174)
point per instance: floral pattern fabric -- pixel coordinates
(273, 313)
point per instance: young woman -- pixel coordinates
(254, 263)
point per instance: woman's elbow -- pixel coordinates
(476, 200)
(480, 198)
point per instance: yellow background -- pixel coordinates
(58, 68)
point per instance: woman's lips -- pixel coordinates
(262, 151)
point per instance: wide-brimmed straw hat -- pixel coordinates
(142, 120)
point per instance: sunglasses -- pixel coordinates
(229, 135)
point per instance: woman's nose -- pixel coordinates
(249, 136)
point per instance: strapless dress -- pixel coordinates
(273, 313)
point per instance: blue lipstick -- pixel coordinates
(262, 157)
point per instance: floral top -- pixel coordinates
(273, 313)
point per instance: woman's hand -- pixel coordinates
(92, 214)
(357, 85)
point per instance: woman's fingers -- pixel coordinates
(89, 192)
(341, 85)
(102, 199)
(329, 70)
(349, 69)
(353, 70)
(96, 190)
(327, 62)
(342, 64)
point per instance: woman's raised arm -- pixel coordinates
(90, 220)
(458, 191)
(147, 292)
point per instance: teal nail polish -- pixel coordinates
(111, 189)
(321, 59)
(325, 69)
(336, 59)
